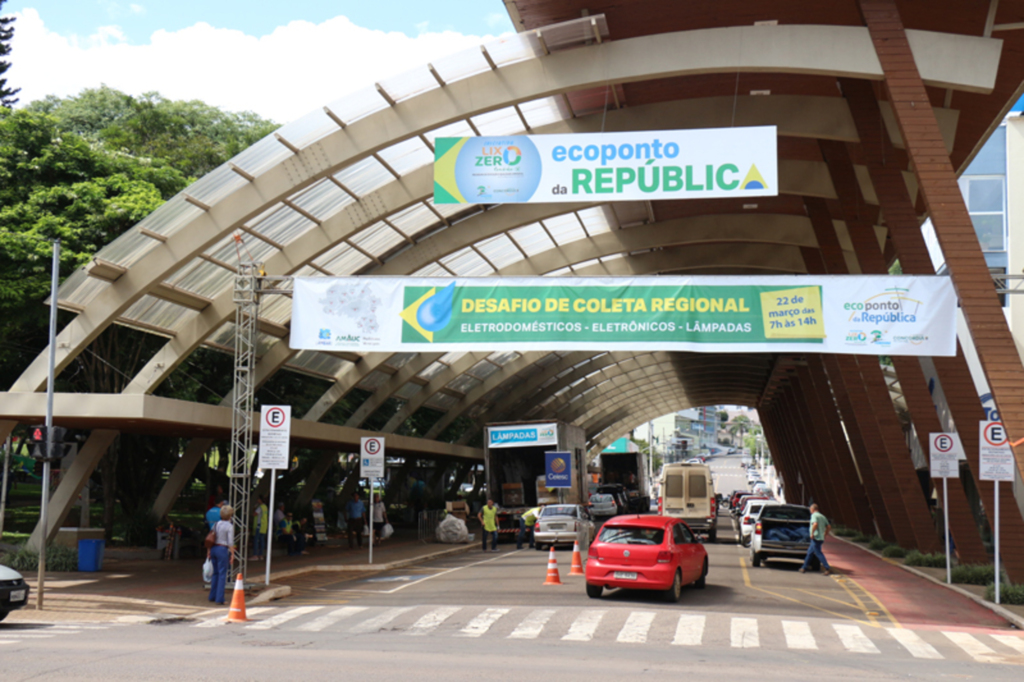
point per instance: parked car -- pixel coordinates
(748, 517)
(782, 531)
(13, 591)
(563, 524)
(741, 500)
(646, 553)
(603, 504)
(617, 491)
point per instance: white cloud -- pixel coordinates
(136, 9)
(293, 70)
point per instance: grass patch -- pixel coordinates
(859, 537)
(876, 543)
(974, 575)
(894, 552)
(844, 532)
(1008, 594)
(58, 558)
(916, 558)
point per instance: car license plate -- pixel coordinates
(557, 526)
(625, 575)
(18, 596)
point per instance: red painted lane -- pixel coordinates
(912, 600)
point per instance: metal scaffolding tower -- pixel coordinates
(247, 303)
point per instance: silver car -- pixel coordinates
(563, 524)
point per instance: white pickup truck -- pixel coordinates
(781, 531)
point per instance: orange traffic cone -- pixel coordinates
(577, 560)
(237, 612)
(553, 578)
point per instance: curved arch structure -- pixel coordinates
(348, 191)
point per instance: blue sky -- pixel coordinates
(139, 19)
(280, 59)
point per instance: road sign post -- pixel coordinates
(275, 437)
(371, 466)
(995, 463)
(944, 463)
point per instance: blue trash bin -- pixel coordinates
(90, 555)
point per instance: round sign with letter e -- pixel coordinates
(944, 461)
(371, 457)
(995, 456)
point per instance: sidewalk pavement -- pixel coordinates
(911, 599)
(140, 590)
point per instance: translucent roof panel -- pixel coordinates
(283, 225)
(413, 220)
(461, 65)
(532, 239)
(377, 239)
(597, 220)
(457, 129)
(514, 48)
(154, 312)
(560, 272)
(374, 380)
(230, 252)
(261, 156)
(408, 391)
(407, 156)
(464, 383)
(215, 185)
(364, 176)
(79, 288)
(467, 263)
(432, 270)
(544, 111)
(500, 122)
(432, 370)
(315, 362)
(500, 250)
(167, 219)
(203, 278)
(442, 401)
(304, 131)
(400, 360)
(276, 309)
(502, 358)
(409, 84)
(358, 104)
(343, 260)
(323, 199)
(127, 248)
(452, 358)
(565, 229)
(482, 370)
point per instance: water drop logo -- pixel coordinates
(431, 312)
(754, 180)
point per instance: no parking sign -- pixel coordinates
(995, 457)
(946, 451)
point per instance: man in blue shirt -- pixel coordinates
(355, 513)
(213, 514)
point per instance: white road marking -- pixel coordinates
(438, 575)
(532, 625)
(585, 625)
(972, 646)
(7, 641)
(482, 623)
(798, 634)
(377, 622)
(430, 622)
(689, 631)
(913, 643)
(1012, 641)
(282, 618)
(854, 639)
(27, 635)
(218, 622)
(634, 631)
(327, 620)
(743, 634)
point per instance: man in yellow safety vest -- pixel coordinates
(526, 522)
(489, 520)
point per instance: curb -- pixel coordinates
(372, 568)
(270, 594)
(1013, 618)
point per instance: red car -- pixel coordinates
(646, 553)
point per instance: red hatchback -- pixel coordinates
(646, 553)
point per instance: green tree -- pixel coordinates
(740, 425)
(7, 95)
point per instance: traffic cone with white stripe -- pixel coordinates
(577, 560)
(553, 577)
(237, 612)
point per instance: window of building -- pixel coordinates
(986, 202)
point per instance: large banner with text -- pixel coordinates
(863, 315)
(634, 166)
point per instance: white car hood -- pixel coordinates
(9, 573)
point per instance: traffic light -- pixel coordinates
(37, 437)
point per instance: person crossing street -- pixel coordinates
(820, 527)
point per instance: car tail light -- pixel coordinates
(592, 552)
(537, 527)
(746, 519)
(576, 526)
(664, 557)
(757, 529)
(660, 508)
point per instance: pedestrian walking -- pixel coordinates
(213, 513)
(526, 523)
(220, 553)
(489, 519)
(261, 522)
(380, 517)
(355, 510)
(820, 527)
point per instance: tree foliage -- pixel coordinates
(7, 94)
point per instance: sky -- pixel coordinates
(279, 59)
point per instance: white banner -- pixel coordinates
(634, 166)
(862, 315)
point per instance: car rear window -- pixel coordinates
(754, 508)
(559, 510)
(698, 485)
(787, 513)
(600, 498)
(674, 485)
(631, 535)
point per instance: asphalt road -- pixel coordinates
(489, 616)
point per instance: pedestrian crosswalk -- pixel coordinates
(29, 632)
(624, 626)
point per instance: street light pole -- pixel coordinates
(45, 502)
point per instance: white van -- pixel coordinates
(688, 493)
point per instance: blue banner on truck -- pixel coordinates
(558, 469)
